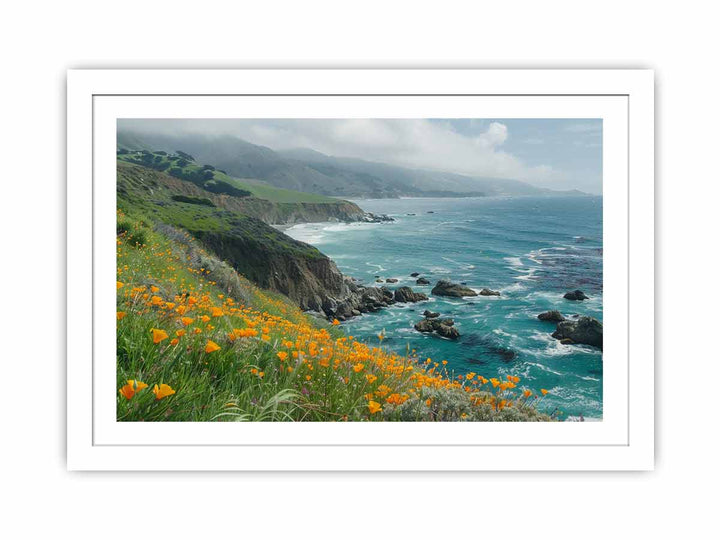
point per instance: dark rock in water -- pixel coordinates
(391, 280)
(387, 294)
(463, 283)
(376, 276)
(567, 341)
(422, 281)
(425, 325)
(430, 314)
(378, 281)
(369, 217)
(575, 295)
(406, 294)
(489, 292)
(409, 214)
(431, 211)
(585, 330)
(552, 316)
(448, 288)
(442, 327)
(415, 274)
(505, 354)
(446, 331)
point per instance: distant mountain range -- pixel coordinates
(309, 171)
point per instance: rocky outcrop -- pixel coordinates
(422, 281)
(277, 262)
(430, 314)
(584, 330)
(369, 217)
(391, 280)
(552, 316)
(448, 288)
(442, 327)
(575, 295)
(489, 292)
(406, 294)
(359, 300)
(415, 274)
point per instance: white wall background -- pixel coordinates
(40, 40)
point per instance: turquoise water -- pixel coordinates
(531, 249)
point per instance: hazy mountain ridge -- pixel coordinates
(313, 172)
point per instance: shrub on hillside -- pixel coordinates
(192, 200)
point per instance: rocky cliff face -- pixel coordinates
(298, 271)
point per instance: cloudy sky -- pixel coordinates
(553, 153)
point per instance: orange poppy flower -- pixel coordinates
(158, 335)
(131, 388)
(163, 391)
(374, 407)
(211, 347)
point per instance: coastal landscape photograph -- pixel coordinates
(344, 270)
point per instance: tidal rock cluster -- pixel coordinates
(578, 330)
(577, 294)
(442, 327)
(584, 330)
(448, 288)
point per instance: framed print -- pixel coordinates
(344, 269)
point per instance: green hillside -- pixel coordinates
(183, 166)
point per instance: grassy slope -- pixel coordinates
(145, 194)
(176, 303)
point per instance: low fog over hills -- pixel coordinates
(307, 170)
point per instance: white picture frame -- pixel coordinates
(622, 98)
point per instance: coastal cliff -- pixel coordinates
(154, 183)
(279, 263)
(238, 230)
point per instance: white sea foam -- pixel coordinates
(464, 266)
(512, 288)
(543, 367)
(379, 267)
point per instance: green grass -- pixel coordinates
(257, 188)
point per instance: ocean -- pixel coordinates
(531, 249)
